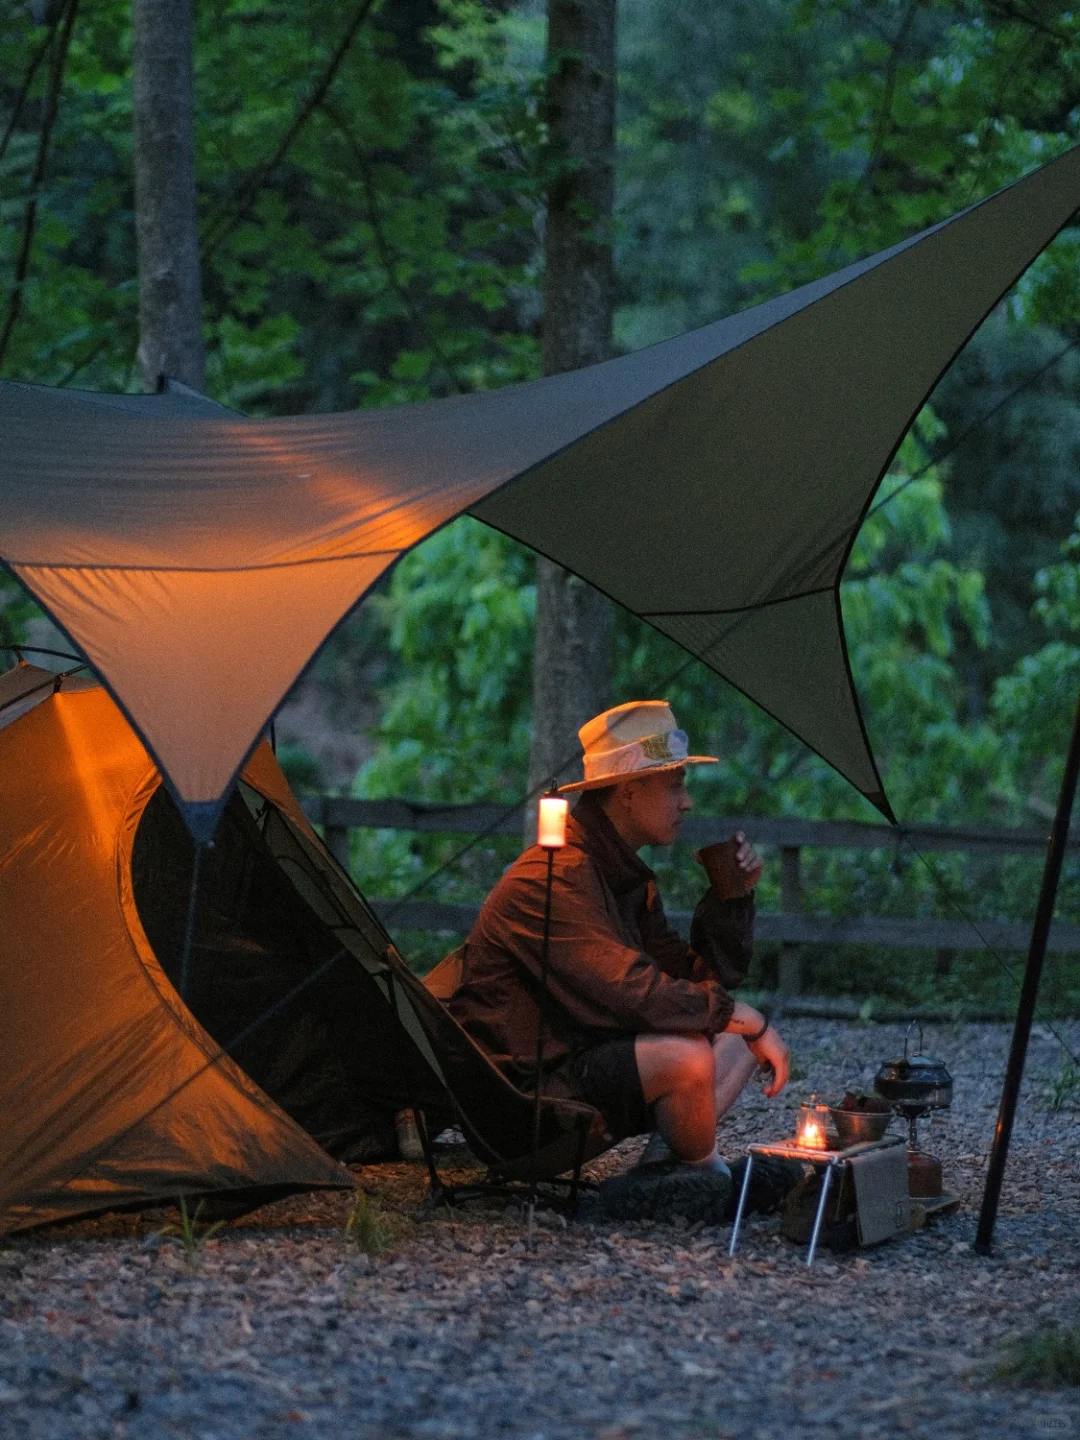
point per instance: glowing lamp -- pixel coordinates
(810, 1127)
(551, 822)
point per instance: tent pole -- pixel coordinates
(538, 1073)
(189, 928)
(1025, 1013)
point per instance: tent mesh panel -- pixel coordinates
(331, 1056)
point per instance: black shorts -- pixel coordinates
(608, 1076)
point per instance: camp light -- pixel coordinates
(810, 1126)
(550, 836)
(551, 822)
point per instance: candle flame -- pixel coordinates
(812, 1135)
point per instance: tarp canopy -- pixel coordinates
(712, 484)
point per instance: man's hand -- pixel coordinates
(748, 860)
(771, 1053)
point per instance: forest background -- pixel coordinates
(371, 184)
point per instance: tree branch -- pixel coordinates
(1022, 15)
(22, 264)
(222, 225)
(884, 116)
(24, 90)
(382, 245)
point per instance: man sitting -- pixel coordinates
(637, 1023)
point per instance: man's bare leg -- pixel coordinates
(734, 1067)
(678, 1075)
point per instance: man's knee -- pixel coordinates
(697, 1065)
(675, 1063)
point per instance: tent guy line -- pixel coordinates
(981, 420)
(946, 892)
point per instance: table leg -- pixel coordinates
(741, 1205)
(826, 1179)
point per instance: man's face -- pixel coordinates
(657, 805)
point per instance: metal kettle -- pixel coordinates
(915, 1080)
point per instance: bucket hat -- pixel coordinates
(640, 737)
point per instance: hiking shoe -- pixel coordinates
(656, 1152)
(771, 1181)
(663, 1191)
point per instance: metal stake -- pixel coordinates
(1025, 1013)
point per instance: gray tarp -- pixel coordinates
(712, 484)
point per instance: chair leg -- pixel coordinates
(436, 1188)
(438, 1194)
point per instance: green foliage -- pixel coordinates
(16, 612)
(1063, 1092)
(1046, 1360)
(364, 240)
(191, 1234)
(454, 725)
(301, 769)
(1034, 703)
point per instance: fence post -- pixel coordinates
(789, 978)
(336, 836)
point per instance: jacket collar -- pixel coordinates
(621, 867)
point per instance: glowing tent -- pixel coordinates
(712, 484)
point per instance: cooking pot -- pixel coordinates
(915, 1079)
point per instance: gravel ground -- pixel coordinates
(607, 1331)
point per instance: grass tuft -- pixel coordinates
(368, 1227)
(1063, 1092)
(191, 1235)
(1049, 1359)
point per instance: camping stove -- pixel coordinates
(914, 1085)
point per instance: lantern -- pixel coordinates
(551, 822)
(550, 836)
(810, 1132)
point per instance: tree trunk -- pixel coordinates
(572, 669)
(170, 293)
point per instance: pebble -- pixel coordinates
(604, 1331)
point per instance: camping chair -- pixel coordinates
(496, 1117)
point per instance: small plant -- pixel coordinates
(191, 1235)
(1063, 1093)
(1049, 1359)
(368, 1227)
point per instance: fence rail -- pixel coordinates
(791, 925)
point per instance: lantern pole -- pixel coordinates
(1025, 1013)
(551, 836)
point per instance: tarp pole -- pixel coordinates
(189, 927)
(1025, 1014)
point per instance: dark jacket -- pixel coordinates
(614, 965)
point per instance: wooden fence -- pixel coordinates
(791, 925)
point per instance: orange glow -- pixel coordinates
(810, 1129)
(551, 827)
